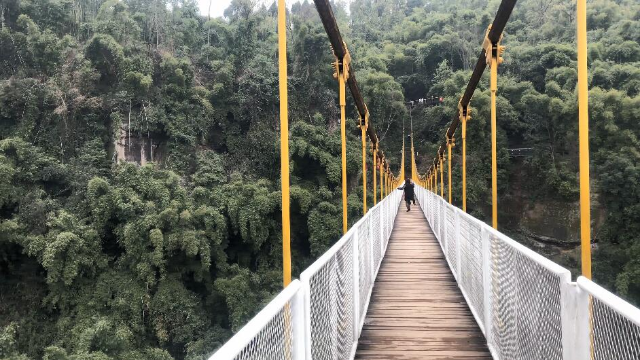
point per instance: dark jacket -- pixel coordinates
(408, 191)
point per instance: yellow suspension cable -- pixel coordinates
(583, 131)
(284, 143)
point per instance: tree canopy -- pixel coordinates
(139, 158)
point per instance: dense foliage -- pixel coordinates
(105, 259)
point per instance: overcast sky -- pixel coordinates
(218, 6)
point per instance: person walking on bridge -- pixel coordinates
(409, 195)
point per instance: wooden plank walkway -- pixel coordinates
(416, 309)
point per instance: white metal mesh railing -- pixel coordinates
(450, 236)
(526, 298)
(526, 305)
(331, 306)
(471, 262)
(376, 241)
(365, 263)
(321, 315)
(614, 325)
(273, 333)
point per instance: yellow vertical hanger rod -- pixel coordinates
(450, 144)
(342, 73)
(494, 58)
(583, 130)
(441, 176)
(435, 177)
(284, 142)
(364, 123)
(465, 115)
(381, 179)
(375, 177)
(402, 163)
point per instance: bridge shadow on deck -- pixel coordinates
(416, 309)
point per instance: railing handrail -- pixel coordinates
(617, 304)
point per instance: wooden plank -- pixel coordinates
(416, 309)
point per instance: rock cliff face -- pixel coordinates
(137, 149)
(546, 223)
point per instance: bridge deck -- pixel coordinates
(416, 309)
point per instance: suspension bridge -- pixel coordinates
(435, 282)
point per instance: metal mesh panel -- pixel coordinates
(451, 238)
(383, 222)
(436, 219)
(526, 304)
(365, 265)
(388, 221)
(274, 341)
(332, 311)
(470, 276)
(432, 211)
(614, 336)
(390, 215)
(376, 236)
(442, 221)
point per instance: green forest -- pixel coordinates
(139, 153)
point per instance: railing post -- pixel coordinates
(432, 207)
(381, 232)
(299, 315)
(486, 280)
(574, 313)
(442, 226)
(458, 246)
(372, 270)
(306, 299)
(356, 285)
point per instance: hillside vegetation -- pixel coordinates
(139, 154)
